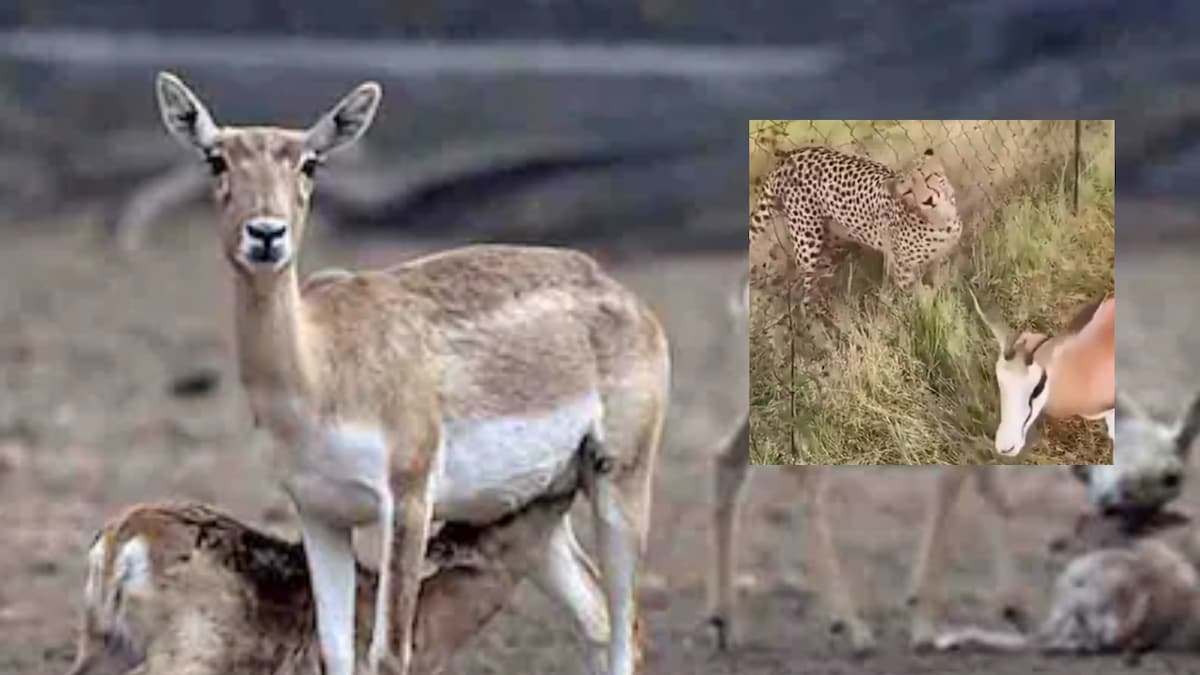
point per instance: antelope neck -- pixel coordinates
(271, 334)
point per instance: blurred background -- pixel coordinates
(613, 126)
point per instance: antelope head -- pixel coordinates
(262, 177)
(1024, 382)
(1149, 463)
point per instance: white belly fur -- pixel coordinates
(489, 468)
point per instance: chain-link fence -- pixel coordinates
(987, 161)
(983, 158)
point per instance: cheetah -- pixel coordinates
(829, 200)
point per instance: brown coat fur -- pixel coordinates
(228, 598)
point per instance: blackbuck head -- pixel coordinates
(1022, 377)
(263, 176)
(925, 190)
(1149, 461)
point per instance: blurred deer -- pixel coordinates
(730, 476)
(447, 388)
(1123, 599)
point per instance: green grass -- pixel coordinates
(907, 377)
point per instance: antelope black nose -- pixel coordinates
(265, 230)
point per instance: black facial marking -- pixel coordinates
(216, 164)
(1037, 390)
(309, 166)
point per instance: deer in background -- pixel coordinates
(1147, 474)
(730, 476)
(452, 387)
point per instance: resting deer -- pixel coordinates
(1123, 599)
(730, 475)
(450, 387)
(182, 588)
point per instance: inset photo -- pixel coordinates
(931, 291)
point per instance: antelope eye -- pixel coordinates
(309, 166)
(216, 164)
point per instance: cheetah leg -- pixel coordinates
(939, 271)
(904, 276)
(833, 252)
(808, 236)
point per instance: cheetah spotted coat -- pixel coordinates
(821, 200)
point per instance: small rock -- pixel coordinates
(44, 568)
(199, 381)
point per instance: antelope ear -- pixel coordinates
(1189, 424)
(348, 120)
(183, 114)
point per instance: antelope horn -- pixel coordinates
(994, 323)
(1188, 426)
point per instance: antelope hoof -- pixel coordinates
(1016, 615)
(720, 629)
(862, 639)
(921, 636)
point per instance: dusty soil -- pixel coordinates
(89, 343)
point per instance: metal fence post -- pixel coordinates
(1075, 196)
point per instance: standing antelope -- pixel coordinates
(732, 463)
(451, 387)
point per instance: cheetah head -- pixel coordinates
(925, 191)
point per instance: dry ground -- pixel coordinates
(89, 343)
